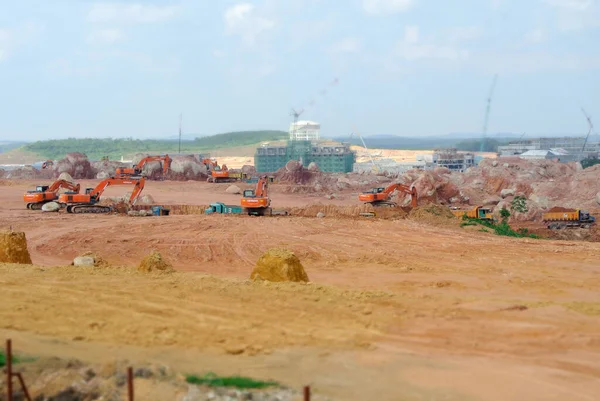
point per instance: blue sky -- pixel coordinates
(82, 68)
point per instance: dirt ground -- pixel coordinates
(396, 309)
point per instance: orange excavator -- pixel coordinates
(137, 169)
(221, 174)
(47, 164)
(256, 201)
(381, 196)
(210, 163)
(87, 203)
(47, 193)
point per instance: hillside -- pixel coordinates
(116, 148)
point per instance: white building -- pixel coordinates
(305, 131)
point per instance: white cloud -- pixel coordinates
(348, 45)
(534, 36)
(572, 5)
(243, 20)
(4, 43)
(411, 34)
(411, 48)
(387, 6)
(131, 13)
(105, 36)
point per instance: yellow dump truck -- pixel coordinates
(477, 212)
(574, 218)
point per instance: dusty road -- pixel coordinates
(398, 309)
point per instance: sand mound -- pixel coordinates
(97, 260)
(65, 176)
(279, 265)
(331, 210)
(13, 248)
(154, 262)
(147, 199)
(433, 214)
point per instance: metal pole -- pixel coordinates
(130, 383)
(306, 393)
(9, 375)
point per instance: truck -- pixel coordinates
(574, 218)
(477, 212)
(222, 208)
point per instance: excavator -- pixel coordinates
(209, 163)
(47, 193)
(256, 202)
(47, 164)
(381, 196)
(136, 170)
(87, 203)
(222, 174)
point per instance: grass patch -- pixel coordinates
(502, 228)
(15, 359)
(212, 380)
(484, 230)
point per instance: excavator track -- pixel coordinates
(80, 209)
(36, 206)
(384, 204)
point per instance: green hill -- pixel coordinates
(127, 147)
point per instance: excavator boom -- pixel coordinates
(138, 168)
(43, 194)
(381, 196)
(87, 203)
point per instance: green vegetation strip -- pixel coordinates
(502, 228)
(212, 380)
(96, 148)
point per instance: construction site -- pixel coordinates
(423, 284)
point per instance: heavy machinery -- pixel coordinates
(381, 196)
(256, 201)
(210, 163)
(87, 203)
(573, 218)
(477, 212)
(47, 193)
(47, 164)
(222, 174)
(136, 170)
(221, 208)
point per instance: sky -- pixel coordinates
(83, 68)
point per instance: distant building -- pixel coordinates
(571, 148)
(452, 159)
(305, 131)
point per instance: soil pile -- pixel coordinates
(557, 209)
(77, 165)
(331, 210)
(279, 265)
(66, 177)
(27, 172)
(94, 259)
(13, 248)
(187, 168)
(433, 214)
(106, 168)
(154, 262)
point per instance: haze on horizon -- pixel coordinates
(395, 67)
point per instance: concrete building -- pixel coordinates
(572, 146)
(452, 159)
(305, 131)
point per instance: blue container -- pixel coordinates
(160, 211)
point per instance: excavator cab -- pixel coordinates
(39, 188)
(249, 193)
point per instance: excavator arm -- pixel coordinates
(137, 169)
(58, 184)
(137, 190)
(381, 196)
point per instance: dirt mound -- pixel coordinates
(146, 199)
(433, 214)
(27, 172)
(65, 176)
(106, 168)
(560, 209)
(154, 262)
(331, 210)
(13, 248)
(97, 260)
(279, 265)
(187, 168)
(76, 165)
